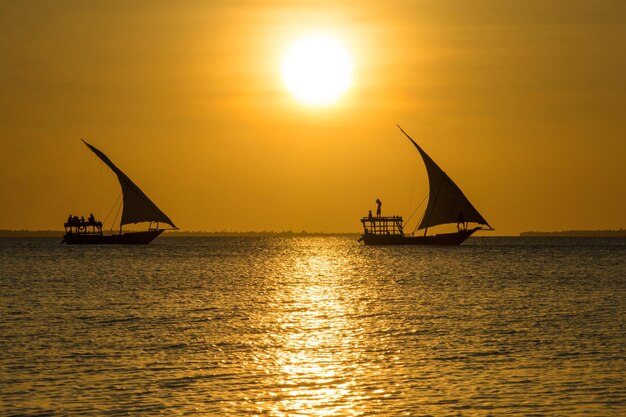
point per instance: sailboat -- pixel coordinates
(446, 205)
(137, 208)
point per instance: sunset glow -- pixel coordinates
(317, 70)
(253, 116)
(313, 208)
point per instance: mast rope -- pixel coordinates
(111, 209)
(418, 223)
(415, 211)
(115, 219)
(434, 203)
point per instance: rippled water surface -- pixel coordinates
(313, 326)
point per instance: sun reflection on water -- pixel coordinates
(310, 365)
(312, 327)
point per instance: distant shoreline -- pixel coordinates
(223, 233)
(250, 233)
(578, 233)
(175, 233)
(31, 233)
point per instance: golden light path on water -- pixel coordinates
(318, 342)
(313, 326)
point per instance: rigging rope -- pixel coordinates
(111, 209)
(118, 212)
(418, 223)
(415, 211)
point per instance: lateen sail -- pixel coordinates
(446, 201)
(137, 206)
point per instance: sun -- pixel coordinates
(317, 69)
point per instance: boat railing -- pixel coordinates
(383, 225)
(84, 227)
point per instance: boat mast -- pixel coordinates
(431, 212)
(137, 207)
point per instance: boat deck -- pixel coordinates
(383, 225)
(82, 227)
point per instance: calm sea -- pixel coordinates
(313, 326)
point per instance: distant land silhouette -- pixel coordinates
(173, 233)
(252, 233)
(31, 233)
(580, 233)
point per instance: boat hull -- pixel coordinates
(129, 238)
(444, 239)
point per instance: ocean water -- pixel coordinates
(313, 326)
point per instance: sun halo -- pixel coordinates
(317, 70)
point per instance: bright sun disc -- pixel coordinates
(317, 70)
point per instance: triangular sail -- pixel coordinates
(137, 206)
(446, 201)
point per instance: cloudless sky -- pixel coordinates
(522, 103)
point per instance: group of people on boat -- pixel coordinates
(81, 223)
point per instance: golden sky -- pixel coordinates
(522, 103)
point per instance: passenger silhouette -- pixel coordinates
(460, 221)
(378, 210)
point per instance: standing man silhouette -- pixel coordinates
(378, 210)
(460, 222)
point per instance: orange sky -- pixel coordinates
(521, 103)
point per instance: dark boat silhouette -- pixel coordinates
(446, 204)
(137, 208)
